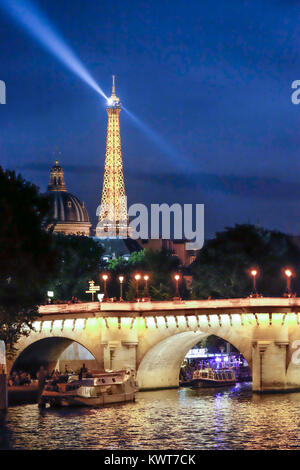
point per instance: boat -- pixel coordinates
(205, 378)
(97, 389)
(243, 374)
(185, 383)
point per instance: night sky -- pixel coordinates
(213, 79)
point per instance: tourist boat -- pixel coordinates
(213, 378)
(243, 374)
(186, 383)
(100, 389)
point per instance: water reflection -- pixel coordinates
(169, 419)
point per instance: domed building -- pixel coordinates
(68, 212)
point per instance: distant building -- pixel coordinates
(67, 211)
(176, 247)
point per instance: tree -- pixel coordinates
(27, 255)
(159, 265)
(222, 267)
(79, 262)
(214, 344)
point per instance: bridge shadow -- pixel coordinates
(46, 352)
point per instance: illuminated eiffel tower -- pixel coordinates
(113, 216)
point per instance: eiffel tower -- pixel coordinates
(113, 216)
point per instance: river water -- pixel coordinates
(231, 418)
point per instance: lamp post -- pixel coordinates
(137, 277)
(288, 275)
(50, 295)
(177, 294)
(146, 279)
(254, 273)
(121, 279)
(105, 277)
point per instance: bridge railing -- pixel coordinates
(198, 307)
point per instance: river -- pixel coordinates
(168, 419)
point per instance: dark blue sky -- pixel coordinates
(212, 78)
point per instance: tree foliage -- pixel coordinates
(159, 265)
(27, 255)
(79, 262)
(215, 344)
(222, 267)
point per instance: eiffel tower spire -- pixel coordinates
(113, 217)
(113, 91)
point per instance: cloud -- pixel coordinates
(242, 186)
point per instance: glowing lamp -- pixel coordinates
(254, 272)
(50, 295)
(105, 277)
(137, 277)
(288, 274)
(146, 279)
(121, 279)
(177, 295)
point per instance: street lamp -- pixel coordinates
(121, 279)
(50, 295)
(177, 294)
(105, 277)
(253, 274)
(137, 277)
(288, 275)
(146, 279)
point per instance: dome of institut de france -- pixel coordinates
(68, 212)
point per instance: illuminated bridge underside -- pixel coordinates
(153, 338)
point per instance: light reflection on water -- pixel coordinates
(168, 419)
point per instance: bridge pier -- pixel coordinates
(269, 366)
(119, 354)
(119, 342)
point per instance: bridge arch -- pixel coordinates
(160, 366)
(43, 352)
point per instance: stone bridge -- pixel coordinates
(154, 337)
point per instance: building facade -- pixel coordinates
(68, 213)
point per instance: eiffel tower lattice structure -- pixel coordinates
(113, 216)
